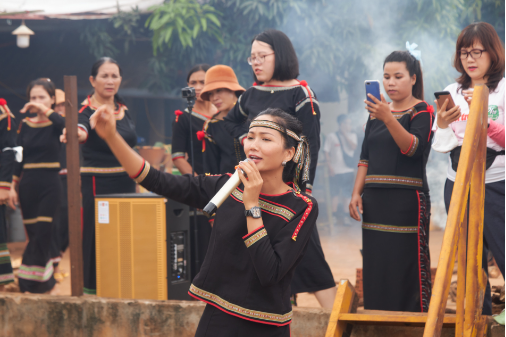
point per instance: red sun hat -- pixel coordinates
(220, 76)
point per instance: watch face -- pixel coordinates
(255, 212)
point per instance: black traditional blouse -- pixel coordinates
(226, 151)
(97, 156)
(298, 100)
(7, 143)
(244, 274)
(203, 163)
(388, 166)
(41, 144)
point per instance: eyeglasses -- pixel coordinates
(475, 54)
(258, 59)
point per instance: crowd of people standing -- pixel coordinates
(263, 247)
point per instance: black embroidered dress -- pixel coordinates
(395, 228)
(7, 157)
(101, 173)
(313, 273)
(247, 275)
(39, 197)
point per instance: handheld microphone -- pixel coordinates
(223, 193)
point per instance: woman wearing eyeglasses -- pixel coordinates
(480, 60)
(276, 68)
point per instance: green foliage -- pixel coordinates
(184, 18)
(98, 41)
(127, 24)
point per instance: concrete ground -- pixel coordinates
(342, 252)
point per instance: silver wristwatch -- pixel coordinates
(254, 212)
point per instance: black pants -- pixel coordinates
(39, 196)
(493, 229)
(61, 232)
(6, 275)
(92, 185)
(216, 323)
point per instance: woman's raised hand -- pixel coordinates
(252, 184)
(34, 107)
(445, 118)
(104, 122)
(81, 136)
(468, 95)
(379, 109)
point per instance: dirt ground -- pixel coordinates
(342, 252)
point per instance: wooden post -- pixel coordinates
(474, 279)
(461, 277)
(456, 214)
(74, 190)
(343, 303)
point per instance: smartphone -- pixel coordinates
(441, 97)
(372, 87)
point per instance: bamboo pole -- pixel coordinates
(461, 277)
(456, 214)
(73, 188)
(474, 279)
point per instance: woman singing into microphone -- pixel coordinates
(260, 232)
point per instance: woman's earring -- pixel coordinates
(283, 164)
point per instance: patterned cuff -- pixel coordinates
(48, 112)
(412, 147)
(15, 179)
(82, 127)
(177, 155)
(363, 162)
(5, 185)
(143, 172)
(252, 237)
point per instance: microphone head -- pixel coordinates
(210, 209)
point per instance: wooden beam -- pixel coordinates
(455, 216)
(342, 304)
(461, 277)
(474, 279)
(380, 317)
(74, 190)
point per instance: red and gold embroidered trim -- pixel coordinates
(178, 155)
(40, 165)
(37, 125)
(102, 169)
(268, 207)
(38, 219)
(363, 162)
(5, 185)
(15, 179)
(304, 217)
(139, 178)
(250, 241)
(262, 317)
(412, 147)
(397, 180)
(389, 228)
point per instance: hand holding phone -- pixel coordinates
(372, 87)
(447, 111)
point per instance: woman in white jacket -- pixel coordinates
(480, 60)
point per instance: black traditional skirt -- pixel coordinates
(39, 196)
(6, 275)
(91, 186)
(216, 323)
(395, 245)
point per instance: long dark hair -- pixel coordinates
(288, 122)
(45, 83)
(485, 34)
(286, 64)
(414, 68)
(199, 67)
(94, 72)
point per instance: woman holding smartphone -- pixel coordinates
(276, 68)
(260, 232)
(480, 60)
(391, 191)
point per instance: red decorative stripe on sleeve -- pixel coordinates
(363, 162)
(140, 170)
(304, 216)
(412, 147)
(252, 232)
